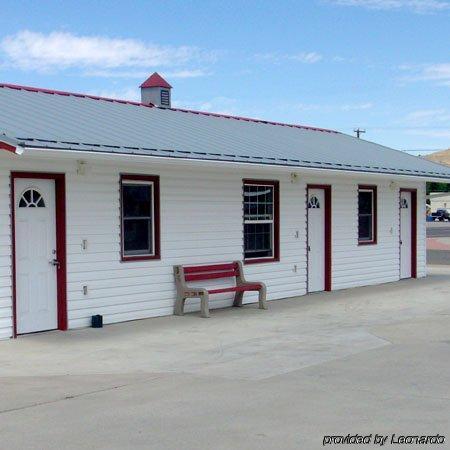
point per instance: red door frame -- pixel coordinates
(413, 230)
(61, 275)
(328, 233)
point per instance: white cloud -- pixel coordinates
(425, 117)
(357, 107)
(194, 73)
(417, 6)
(219, 105)
(432, 133)
(437, 73)
(131, 94)
(431, 123)
(302, 57)
(332, 108)
(62, 50)
(306, 58)
(185, 73)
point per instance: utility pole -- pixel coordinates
(358, 132)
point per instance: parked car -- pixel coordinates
(441, 215)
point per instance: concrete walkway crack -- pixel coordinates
(75, 396)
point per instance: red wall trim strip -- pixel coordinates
(413, 229)
(61, 275)
(276, 222)
(157, 219)
(328, 233)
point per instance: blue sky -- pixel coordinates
(383, 65)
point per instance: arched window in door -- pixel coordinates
(31, 198)
(314, 202)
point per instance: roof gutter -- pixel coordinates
(45, 151)
(11, 145)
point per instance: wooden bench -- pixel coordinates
(184, 274)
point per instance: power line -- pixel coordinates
(422, 150)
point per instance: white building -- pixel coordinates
(99, 198)
(439, 200)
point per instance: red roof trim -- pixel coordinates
(70, 94)
(249, 119)
(155, 80)
(127, 102)
(7, 147)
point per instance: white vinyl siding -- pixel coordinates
(201, 222)
(360, 265)
(5, 255)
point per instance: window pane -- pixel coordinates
(258, 202)
(258, 240)
(137, 200)
(365, 227)
(137, 237)
(365, 202)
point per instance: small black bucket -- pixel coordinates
(97, 321)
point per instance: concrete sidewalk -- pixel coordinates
(366, 360)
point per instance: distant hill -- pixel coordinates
(442, 157)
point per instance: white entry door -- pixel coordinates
(316, 240)
(405, 235)
(35, 250)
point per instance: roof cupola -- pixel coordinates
(155, 90)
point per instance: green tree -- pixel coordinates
(438, 187)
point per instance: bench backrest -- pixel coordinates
(211, 272)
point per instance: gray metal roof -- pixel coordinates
(66, 121)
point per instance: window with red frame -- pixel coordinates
(261, 211)
(140, 217)
(367, 214)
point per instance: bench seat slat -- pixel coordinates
(248, 287)
(210, 276)
(210, 268)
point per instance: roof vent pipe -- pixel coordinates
(155, 90)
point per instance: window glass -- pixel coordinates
(137, 210)
(137, 200)
(137, 236)
(365, 202)
(365, 227)
(366, 215)
(258, 240)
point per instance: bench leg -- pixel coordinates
(238, 299)
(179, 306)
(262, 298)
(204, 299)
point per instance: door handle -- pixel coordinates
(309, 248)
(55, 262)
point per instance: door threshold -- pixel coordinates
(30, 333)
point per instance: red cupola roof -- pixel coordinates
(155, 80)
